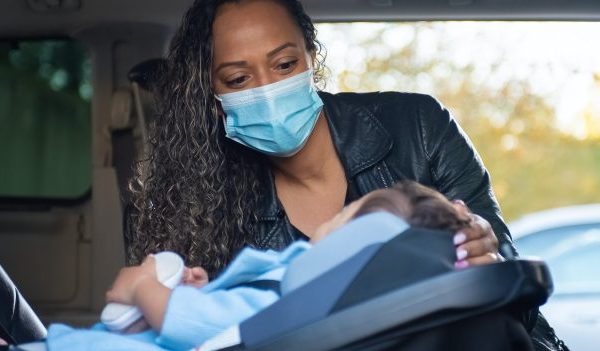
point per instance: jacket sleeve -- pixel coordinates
(456, 167)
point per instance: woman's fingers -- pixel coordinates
(476, 247)
(485, 259)
(479, 260)
(475, 244)
(478, 229)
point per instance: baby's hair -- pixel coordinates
(418, 205)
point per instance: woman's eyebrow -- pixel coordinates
(245, 63)
(281, 47)
(232, 63)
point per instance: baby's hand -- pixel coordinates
(195, 276)
(137, 327)
(129, 279)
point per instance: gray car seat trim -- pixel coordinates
(340, 245)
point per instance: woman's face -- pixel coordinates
(256, 42)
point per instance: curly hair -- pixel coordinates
(196, 192)
(419, 205)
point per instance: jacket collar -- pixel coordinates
(359, 138)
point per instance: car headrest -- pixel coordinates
(341, 244)
(147, 73)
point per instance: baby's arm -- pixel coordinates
(152, 297)
(139, 286)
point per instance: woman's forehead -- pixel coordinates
(252, 27)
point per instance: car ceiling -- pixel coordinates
(65, 17)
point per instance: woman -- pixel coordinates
(245, 151)
(205, 192)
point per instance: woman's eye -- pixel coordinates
(236, 82)
(287, 65)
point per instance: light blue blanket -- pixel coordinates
(193, 315)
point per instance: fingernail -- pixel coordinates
(459, 238)
(461, 254)
(461, 264)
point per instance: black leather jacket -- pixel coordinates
(385, 137)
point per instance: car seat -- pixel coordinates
(402, 285)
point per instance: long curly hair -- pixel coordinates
(196, 192)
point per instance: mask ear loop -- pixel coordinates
(224, 123)
(223, 115)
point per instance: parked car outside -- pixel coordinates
(568, 239)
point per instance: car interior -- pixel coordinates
(63, 252)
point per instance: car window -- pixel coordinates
(45, 128)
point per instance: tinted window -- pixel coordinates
(45, 133)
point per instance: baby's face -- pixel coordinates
(348, 212)
(343, 217)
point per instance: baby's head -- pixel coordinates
(418, 205)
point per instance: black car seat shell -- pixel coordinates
(400, 286)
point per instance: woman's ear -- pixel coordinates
(311, 59)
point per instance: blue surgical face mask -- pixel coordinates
(275, 119)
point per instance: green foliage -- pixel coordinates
(533, 165)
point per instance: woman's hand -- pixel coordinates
(476, 244)
(129, 279)
(194, 276)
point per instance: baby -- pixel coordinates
(196, 311)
